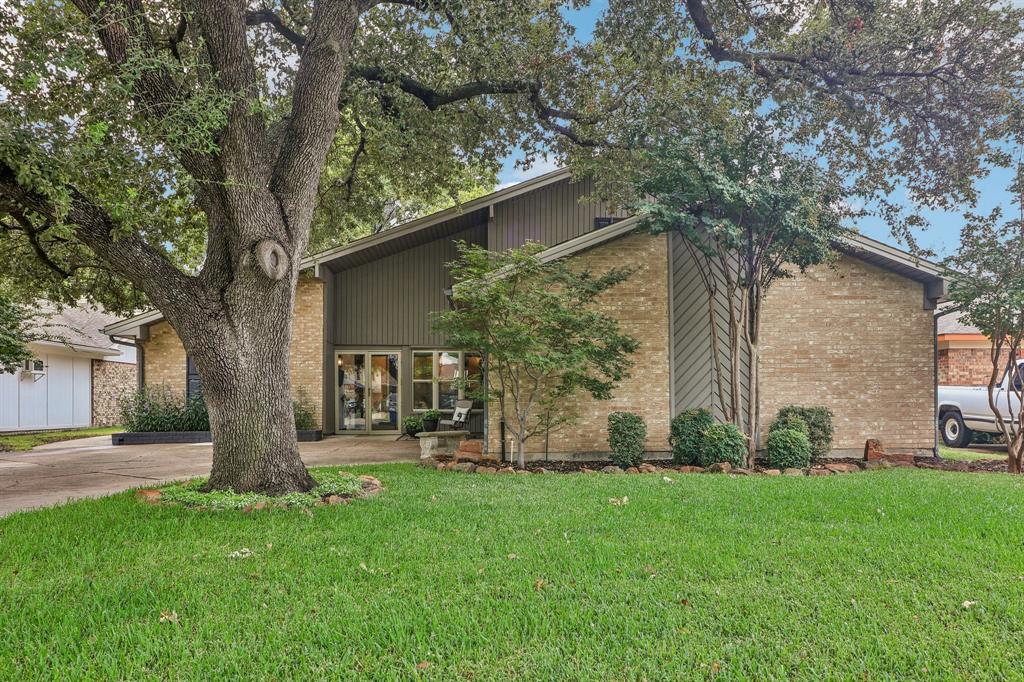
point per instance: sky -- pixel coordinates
(942, 235)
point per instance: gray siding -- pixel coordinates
(550, 215)
(388, 301)
(693, 369)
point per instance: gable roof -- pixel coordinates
(453, 220)
(76, 328)
(953, 322)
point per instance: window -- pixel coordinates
(193, 384)
(440, 377)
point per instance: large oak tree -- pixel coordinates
(173, 152)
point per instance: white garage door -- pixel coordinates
(61, 397)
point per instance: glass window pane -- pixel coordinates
(447, 366)
(474, 367)
(351, 392)
(447, 394)
(423, 365)
(423, 395)
(384, 391)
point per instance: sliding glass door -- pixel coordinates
(368, 392)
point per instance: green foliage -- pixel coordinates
(627, 435)
(788, 448)
(688, 434)
(818, 421)
(541, 338)
(190, 494)
(413, 422)
(792, 421)
(13, 337)
(160, 409)
(305, 413)
(431, 415)
(722, 443)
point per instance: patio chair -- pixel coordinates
(459, 417)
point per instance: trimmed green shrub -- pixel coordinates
(790, 421)
(160, 409)
(305, 413)
(789, 448)
(722, 443)
(413, 423)
(819, 426)
(688, 433)
(627, 434)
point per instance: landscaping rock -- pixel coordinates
(690, 469)
(585, 470)
(486, 470)
(719, 468)
(771, 472)
(474, 445)
(793, 472)
(371, 486)
(334, 499)
(461, 456)
(632, 470)
(522, 471)
(490, 462)
(148, 495)
(648, 468)
(897, 458)
(877, 464)
(873, 450)
(612, 469)
(506, 470)
(465, 467)
(842, 468)
(739, 471)
(819, 472)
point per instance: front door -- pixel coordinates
(368, 392)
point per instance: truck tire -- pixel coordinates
(955, 433)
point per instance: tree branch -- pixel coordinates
(268, 16)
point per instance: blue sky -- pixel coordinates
(941, 236)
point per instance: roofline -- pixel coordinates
(902, 257)
(123, 327)
(439, 217)
(77, 347)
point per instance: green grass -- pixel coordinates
(861, 576)
(970, 455)
(19, 442)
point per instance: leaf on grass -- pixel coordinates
(649, 570)
(539, 584)
(423, 665)
(168, 616)
(243, 553)
(667, 479)
(618, 501)
(513, 557)
(968, 604)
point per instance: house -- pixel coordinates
(856, 336)
(75, 378)
(964, 352)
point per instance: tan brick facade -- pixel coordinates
(641, 306)
(165, 361)
(111, 381)
(969, 366)
(858, 340)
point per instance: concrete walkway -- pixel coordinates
(91, 467)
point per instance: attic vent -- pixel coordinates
(605, 221)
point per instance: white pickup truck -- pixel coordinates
(965, 409)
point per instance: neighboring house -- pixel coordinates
(965, 354)
(857, 336)
(75, 378)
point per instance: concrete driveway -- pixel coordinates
(91, 467)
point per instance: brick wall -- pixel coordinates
(641, 306)
(856, 339)
(965, 366)
(110, 382)
(164, 356)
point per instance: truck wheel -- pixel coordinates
(955, 433)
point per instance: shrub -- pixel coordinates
(627, 434)
(819, 426)
(790, 421)
(160, 409)
(688, 433)
(413, 422)
(432, 415)
(305, 413)
(722, 443)
(789, 448)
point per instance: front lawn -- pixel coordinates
(992, 452)
(18, 442)
(889, 574)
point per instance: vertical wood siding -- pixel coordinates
(550, 215)
(389, 301)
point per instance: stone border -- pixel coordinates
(166, 437)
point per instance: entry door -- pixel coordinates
(368, 392)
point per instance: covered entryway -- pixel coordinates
(368, 391)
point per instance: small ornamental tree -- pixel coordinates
(13, 336)
(542, 340)
(988, 287)
(748, 213)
